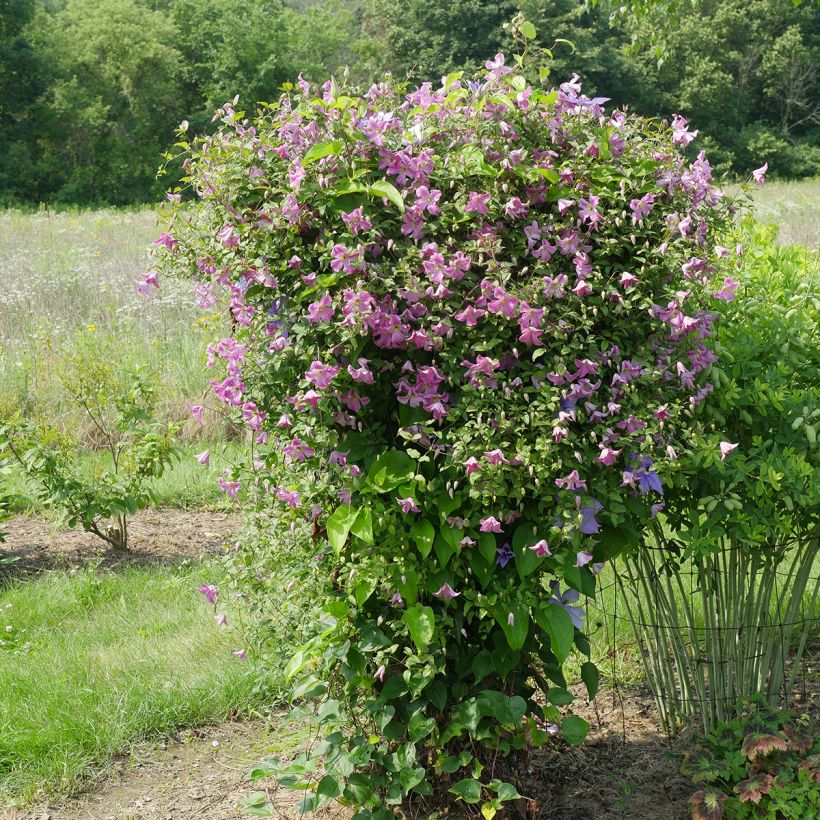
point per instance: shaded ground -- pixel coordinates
(165, 535)
(201, 774)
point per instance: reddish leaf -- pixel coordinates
(707, 805)
(760, 744)
(812, 766)
(753, 789)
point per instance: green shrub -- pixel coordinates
(119, 406)
(468, 325)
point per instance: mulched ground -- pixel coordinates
(156, 536)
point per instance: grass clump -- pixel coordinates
(92, 661)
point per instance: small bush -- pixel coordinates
(119, 406)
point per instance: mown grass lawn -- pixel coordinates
(92, 661)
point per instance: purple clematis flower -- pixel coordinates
(589, 524)
(209, 592)
(566, 600)
(503, 555)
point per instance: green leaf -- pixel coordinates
(328, 788)
(505, 791)
(339, 524)
(411, 777)
(256, 805)
(421, 622)
(555, 621)
(526, 561)
(468, 790)
(560, 697)
(528, 30)
(389, 470)
(590, 676)
(422, 533)
(419, 726)
(321, 150)
(515, 631)
(444, 551)
(575, 729)
(389, 191)
(363, 525)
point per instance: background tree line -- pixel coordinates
(91, 90)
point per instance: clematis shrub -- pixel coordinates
(470, 320)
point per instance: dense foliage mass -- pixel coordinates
(91, 90)
(469, 323)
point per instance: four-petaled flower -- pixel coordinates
(490, 524)
(503, 555)
(446, 592)
(541, 549)
(566, 600)
(407, 505)
(726, 448)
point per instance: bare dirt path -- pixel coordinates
(157, 535)
(202, 774)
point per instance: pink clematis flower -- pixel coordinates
(471, 465)
(230, 488)
(228, 236)
(608, 456)
(583, 558)
(726, 448)
(167, 240)
(728, 291)
(204, 457)
(627, 280)
(759, 174)
(196, 412)
(477, 203)
(446, 592)
(407, 505)
(379, 674)
(209, 592)
(541, 549)
(496, 457)
(490, 524)
(321, 374)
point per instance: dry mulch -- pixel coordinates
(156, 536)
(625, 770)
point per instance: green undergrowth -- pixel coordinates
(186, 484)
(92, 661)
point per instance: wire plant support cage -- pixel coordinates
(716, 629)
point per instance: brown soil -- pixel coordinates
(156, 536)
(625, 770)
(198, 774)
